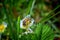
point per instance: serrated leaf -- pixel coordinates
(44, 32)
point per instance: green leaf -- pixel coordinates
(30, 7)
(18, 25)
(44, 32)
(49, 16)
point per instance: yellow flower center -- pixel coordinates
(2, 28)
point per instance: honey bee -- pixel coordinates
(26, 22)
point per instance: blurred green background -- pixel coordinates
(46, 14)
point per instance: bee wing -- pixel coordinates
(21, 24)
(32, 21)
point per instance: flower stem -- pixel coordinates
(0, 36)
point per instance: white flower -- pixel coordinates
(26, 23)
(5, 24)
(3, 27)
